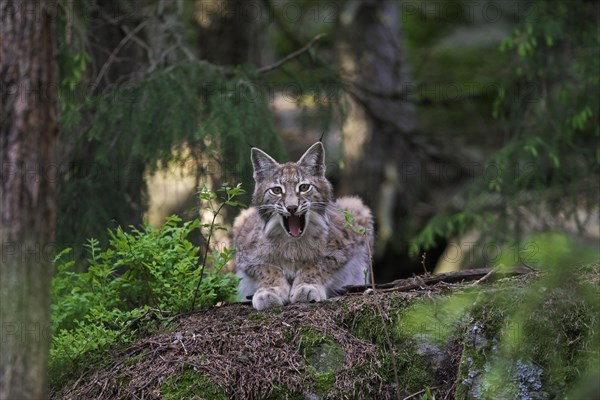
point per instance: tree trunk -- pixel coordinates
(231, 32)
(28, 131)
(377, 132)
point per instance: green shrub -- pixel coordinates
(141, 277)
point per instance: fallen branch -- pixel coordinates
(417, 282)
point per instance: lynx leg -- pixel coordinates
(269, 297)
(308, 286)
(273, 289)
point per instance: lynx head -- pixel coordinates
(294, 195)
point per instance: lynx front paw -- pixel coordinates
(305, 293)
(269, 297)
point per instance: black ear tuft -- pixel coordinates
(314, 159)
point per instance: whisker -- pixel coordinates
(265, 207)
(322, 206)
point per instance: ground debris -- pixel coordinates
(439, 330)
(248, 353)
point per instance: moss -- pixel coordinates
(481, 336)
(257, 317)
(135, 359)
(534, 337)
(412, 348)
(530, 343)
(366, 323)
(189, 383)
(435, 320)
(555, 328)
(413, 370)
(323, 381)
(282, 393)
(324, 358)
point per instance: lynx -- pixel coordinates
(291, 245)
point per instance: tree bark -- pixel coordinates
(28, 132)
(231, 32)
(376, 134)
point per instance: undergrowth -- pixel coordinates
(144, 276)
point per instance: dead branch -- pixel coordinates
(479, 274)
(291, 56)
(113, 55)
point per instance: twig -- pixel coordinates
(370, 264)
(182, 345)
(139, 41)
(423, 259)
(390, 346)
(113, 55)
(486, 276)
(450, 390)
(418, 393)
(291, 56)
(383, 322)
(210, 233)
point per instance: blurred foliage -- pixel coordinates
(112, 136)
(133, 128)
(548, 106)
(519, 340)
(544, 250)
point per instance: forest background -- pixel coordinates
(469, 127)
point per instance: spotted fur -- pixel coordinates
(291, 245)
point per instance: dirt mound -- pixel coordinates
(425, 334)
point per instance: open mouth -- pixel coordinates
(294, 224)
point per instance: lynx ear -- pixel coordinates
(314, 159)
(262, 163)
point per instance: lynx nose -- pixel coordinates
(292, 209)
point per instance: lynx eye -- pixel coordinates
(304, 187)
(276, 190)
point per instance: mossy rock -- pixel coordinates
(324, 358)
(525, 337)
(530, 343)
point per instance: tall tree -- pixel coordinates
(376, 141)
(28, 132)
